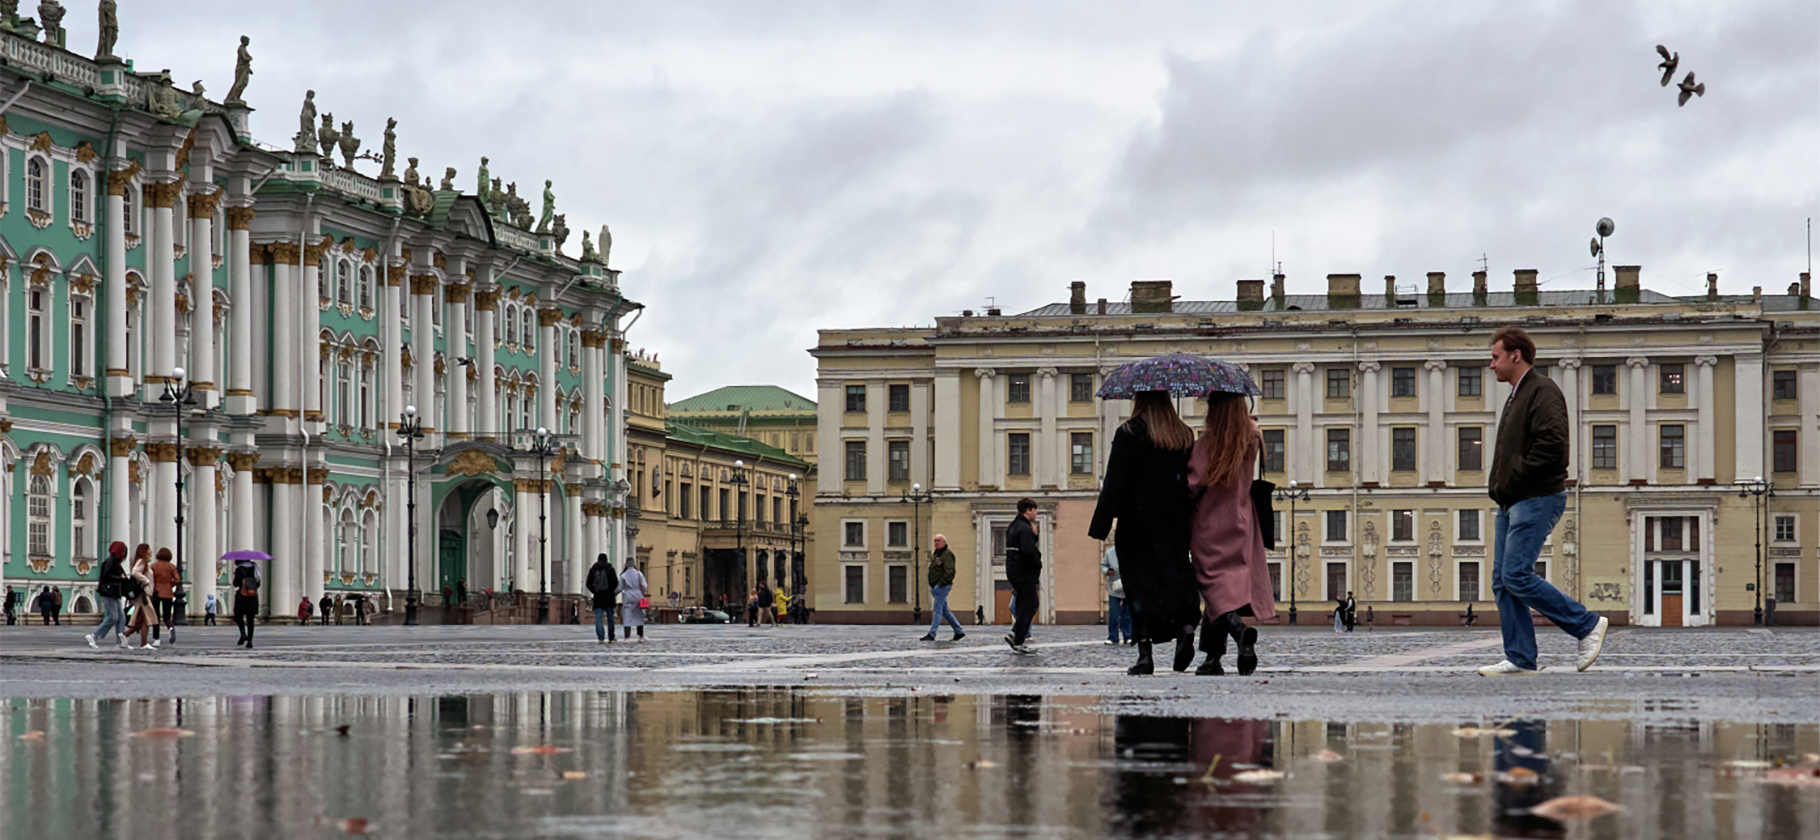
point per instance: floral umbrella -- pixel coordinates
(1179, 374)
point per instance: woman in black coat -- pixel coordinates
(1146, 490)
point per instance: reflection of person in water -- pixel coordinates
(1023, 716)
(1514, 757)
(1151, 752)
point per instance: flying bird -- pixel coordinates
(1690, 90)
(1668, 65)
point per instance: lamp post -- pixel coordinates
(410, 428)
(917, 497)
(796, 576)
(1757, 488)
(1293, 493)
(544, 444)
(739, 483)
(180, 395)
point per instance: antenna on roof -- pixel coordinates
(1484, 263)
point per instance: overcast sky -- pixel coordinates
(774, 168)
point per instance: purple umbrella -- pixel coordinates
(1178, 374)
(246, 555)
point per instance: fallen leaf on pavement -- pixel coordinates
(574, 774)
(1520, 776)
(1476, 732)
(1257, 776)
(982, 764)
(163, 732)
(1794, 776)
(353, 825)
(342, 729)
(1463, 778)
(1327, 756)
(32, 735)
(1579, 807)
(541, 749)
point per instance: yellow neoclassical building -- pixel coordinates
(1382, 408)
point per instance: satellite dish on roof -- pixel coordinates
(1606, 226)
(1596, 247)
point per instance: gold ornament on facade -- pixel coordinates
(85, 152)
(83, 283)
(41, 276)
(6, 427)
(312, 254)
(41, 465)
(189, 145)
(283, 253)
(441, 367)
(347, 245)
(240, 218)
(319, 475)
(119, 179)
(423, 284)
(472, 462)
(42, 142)
(458, 293)
(135, 473)
(162, 452)
(394, 275)
(162, 193)
(441, 261)
(242, 461)
(370, 254)
(530, 485)
(85, 465)
(120, 447)
(203, 456)
(548, 317)
(202, 204)
(484, 301)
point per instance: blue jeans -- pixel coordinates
(1117, 619)
(939, 612)
(113, 618)
(1518, 533)
(603, 623)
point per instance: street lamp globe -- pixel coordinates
(541, 431)
(793, 476)
(176, 373)
(739, 463)
(410, 411)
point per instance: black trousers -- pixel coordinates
(163, 607)
(1025, 596)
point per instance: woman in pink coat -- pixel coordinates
(1225, 541)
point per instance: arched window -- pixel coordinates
(344, 282)
(39, 497)
(511, 320)
(344, 393)
(574, 354)
(366, 287)
(527, 324)
(366, 396)
(79, 336)
(79, 197)
(81, 534)
(35, 173)
(368, 534)
(350, 543)
(126, 204)
(323, 273)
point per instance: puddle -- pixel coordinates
(789, 763)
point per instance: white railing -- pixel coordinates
(352, 183)
(512, 237)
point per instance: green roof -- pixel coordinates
(685, 434)
(734, 399)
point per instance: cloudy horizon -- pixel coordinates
(772, 169)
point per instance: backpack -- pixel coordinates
(130, 588)
(601, 580)
(249, 584)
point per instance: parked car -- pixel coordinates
(698, 615)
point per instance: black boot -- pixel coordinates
(1184, 649)
(1213, 643)
(1144, 665)
(1247, 637)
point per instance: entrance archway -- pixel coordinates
(473, 521)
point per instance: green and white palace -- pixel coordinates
(144, 231)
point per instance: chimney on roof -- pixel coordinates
(1152, 296)
(1526, 287)
(1102, 306)
(992, 312)
(1390, 291)
(1276, 286)
(1630, 283)
(1251, 295)
(1756, 294)
(1077, 298)
(1712, 285)
(1342, 291)
(1480, 288)
(1807, 284)
(1437, 288)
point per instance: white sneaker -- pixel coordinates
(124, 645)
(1594, 641)
(153, 645)
(1111, 642)
(90, 638)
(1506, 669)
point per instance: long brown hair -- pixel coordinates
(1157, 413)
(1229, 428)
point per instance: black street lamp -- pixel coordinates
(917, 497)
(181, 396)
(410, 427)
(1293, 493)
(796, 576)
(739, 483)
(544, 444)
(1758, 488)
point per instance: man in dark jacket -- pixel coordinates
(603, 584)
(1023, 569)
(941, 581)
(1528, 480)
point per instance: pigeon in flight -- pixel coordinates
(1690, 90)
(1668, 65)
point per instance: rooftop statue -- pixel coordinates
(197, 90)
(163, 98)
(496, 200)
(410, 171)
(559, 230)
(549, 208)
(109, 12)
(243, 73)
(326, 137)
(483, 192)
(587, 249)
(306, 121)
(50, 16)
(448, 179)
(389, 150)
(350, 145)
(9, 13)
(606, 244)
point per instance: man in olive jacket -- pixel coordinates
(1023, 570)
(941, 580)
(1528, 480)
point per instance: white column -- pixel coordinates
(455, 342)
(829, 407)
(988, 399)
(423, 355)
(283, 394)
(163, 304)
(947, 430)
(1436, 398)
(1641, 466)
(119, 379)
(199, 537)
(616, 441)
(1108, 412)
(1308, 449)
(546, 367)
(919, 433)
(1373, 463)
(1043, 448)
(486, 402)
(573, 544)
(876, 455)
(286, 568)
(1570, 392)
(241, 358)
(1707, 440)
(243, 507)
(593, 397)
(119, 512)
(391, 353)
(315, 544)
(202, 298)
(524, 532)
(1808, 438)
(310, 339)
(1750, 415)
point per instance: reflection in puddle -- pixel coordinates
(786, 762)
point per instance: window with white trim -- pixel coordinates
(368, 535)
(1468, 530)
(344, 393)
(349, 543)
(82, 517)
(853, 533)
(36, 172)
(366, 396)
(344, 282)
(38, 328)
(127, 203)
(81, 197)
(366, 287)
(81, 359)
(40, 496)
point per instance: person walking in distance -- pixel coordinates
(164, 593)
(603, 584)
(780, 604)
(109, 588)
(12, 606)
(56, 605)
(1352, 611)
(762, 604)
(245, 584)
(1227, 540)
(46, 608)
(941, 582)
(633, 603)
(1023, 569)
(210, 606)
(1146, 491)
(1528, 481)
(1118, 619)
(139, 595)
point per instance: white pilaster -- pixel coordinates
(524, 533)
(1570, 392)
(423, 350)
(593, 397)
(315, 544)
(876, 455)
(285, 572)
(546, 368)
(988, 399)
(919, 433)
(455, 342)
(1043, 449)
(486, 402)
(1641, 465)
(1808, 438)
(1308, 448)
(310, 332)
(578, 558)
(200, 535)
(1435, 399)
(241, 356)
(1750, 415)
(947, 430)
(829, 406)
(391, 352)
(284, 343)
(163, 303)
(1374, 466)
(119, 380)
(202, 299)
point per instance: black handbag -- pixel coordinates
(1263, 493)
